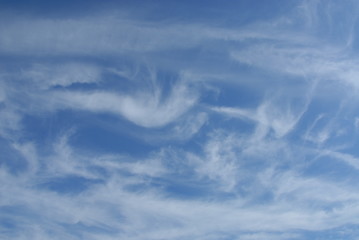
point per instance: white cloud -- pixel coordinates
(277, 114)
(143, 108)
(49, 75)
(254, 183)
(118, 34)
(148, 105)
(152, 167)
(10, 122)
(90, 36)
(132, 214)
(347, 158)
(2, 92)
(319, 136)
(29, 152)
(310, 62)
(190, 126)
(269, 236)
(9, 116)
(220, 161)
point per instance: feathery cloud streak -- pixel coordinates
(124, 125)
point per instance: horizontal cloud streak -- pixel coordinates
(143, 109)
(116, 125)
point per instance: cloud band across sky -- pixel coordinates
(179, 121)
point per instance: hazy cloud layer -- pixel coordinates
(179, 121)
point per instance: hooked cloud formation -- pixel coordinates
(173, 120)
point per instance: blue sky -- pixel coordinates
(176, 120)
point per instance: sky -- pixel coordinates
(179, 120)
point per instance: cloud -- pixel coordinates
(151, 103)
(115, 209)
(10, 122)
(209, 161)
(190, 126)
(90, 36)
(220, 162)
(104, 35)
(277, 114)
(347, 158)
(10, 118)
(311, 61)
(2, 93)
(143, 108)
(64, 75)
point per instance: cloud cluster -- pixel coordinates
(244, 131)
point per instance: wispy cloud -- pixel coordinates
(271, 115)
(116, 210)
(52, 75)
(143, 108)
(229, 131)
